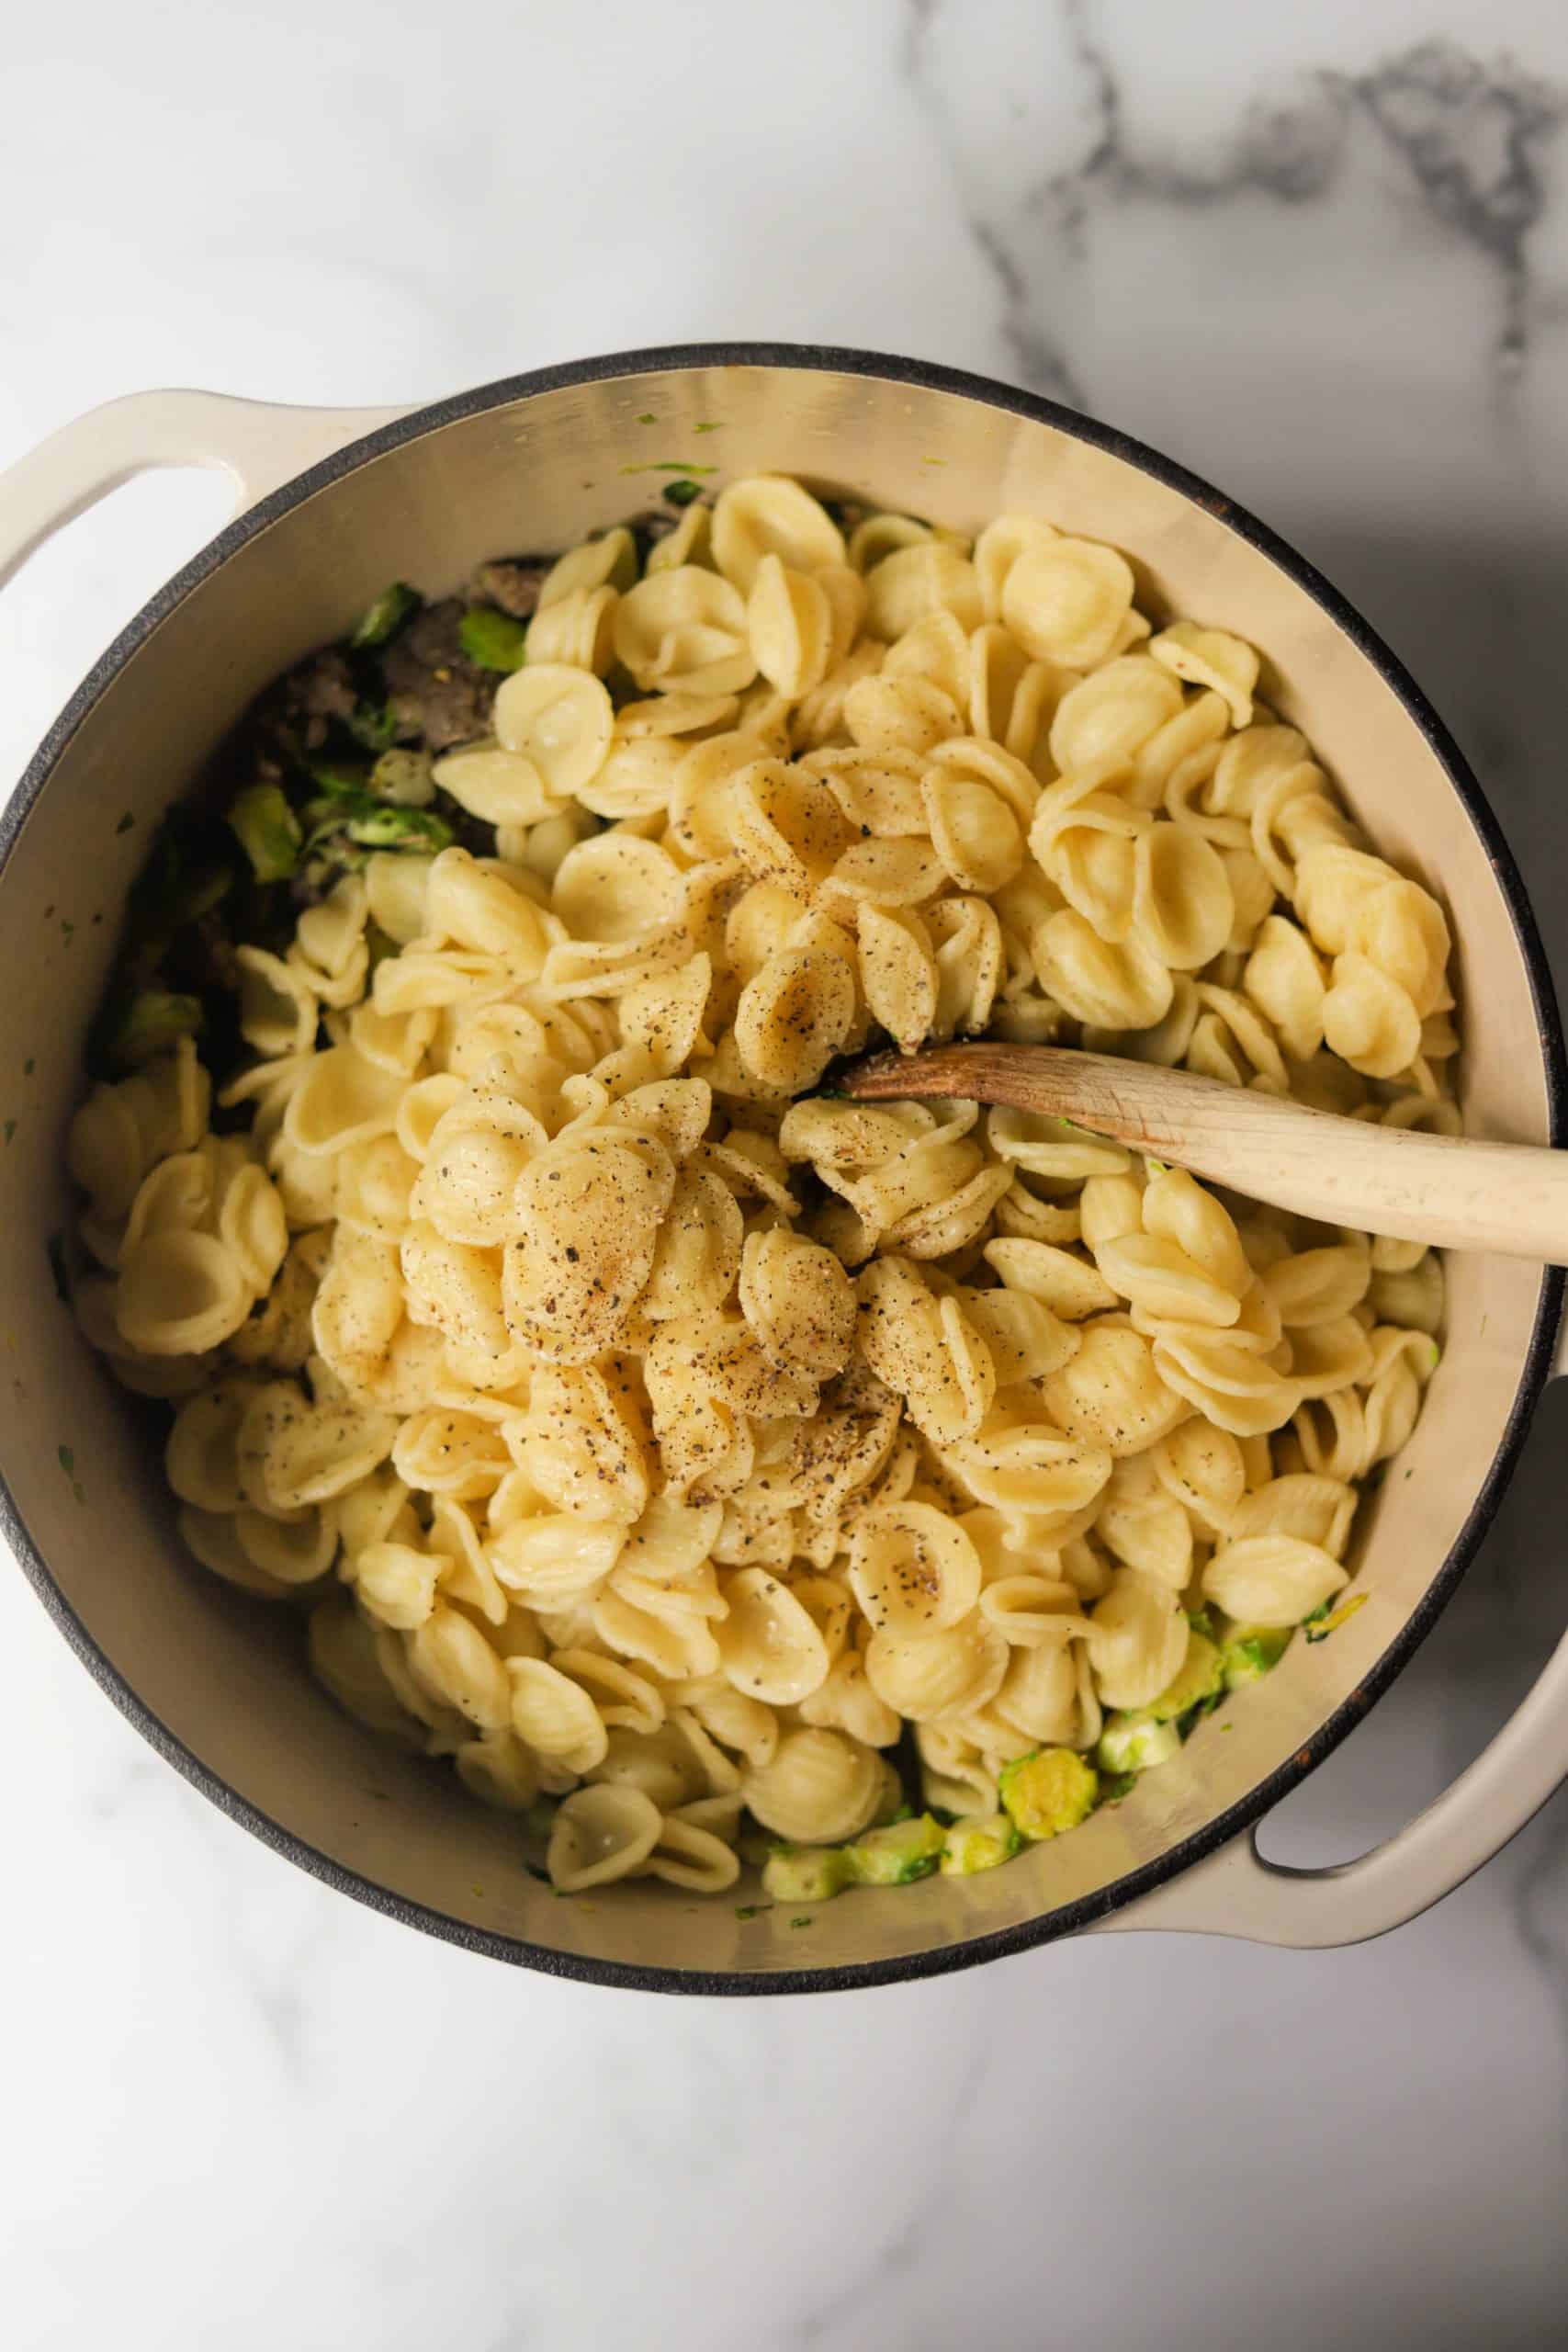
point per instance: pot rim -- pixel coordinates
(1087, 1910)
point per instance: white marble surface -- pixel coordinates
(1322, 255)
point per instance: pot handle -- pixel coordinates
(256, 442)
(1236, 1891)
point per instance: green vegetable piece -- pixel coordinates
(680, 493)
(896, 1854)
(181, 881)
(1202, 1622)
(374, 724)
(670, 466)
(1251, 1652)
(1114, 1786)
(1320, 1626)
(202, 888)
(1133, 1742)
(1047, 1793)
(384, 826)
(150, 1022)
(806, 1873)
(494, 640)
(404, 777)
(340, 779)
(979, 1845)
(382, 621)
(360, 818)
(1201, 1676)
(268, 831)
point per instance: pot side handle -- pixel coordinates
(1236, 1891)
(257, 443)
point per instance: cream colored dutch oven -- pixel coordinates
(332, 504)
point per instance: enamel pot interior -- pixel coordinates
(217, 1681)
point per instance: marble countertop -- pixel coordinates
(1321, 256)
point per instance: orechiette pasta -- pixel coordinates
(686, 1453)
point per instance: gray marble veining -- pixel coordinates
(1476, 138)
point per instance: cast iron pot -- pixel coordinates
(332, 504)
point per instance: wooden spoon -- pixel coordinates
(1445, 1190)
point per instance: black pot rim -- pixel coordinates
(1087, 1910)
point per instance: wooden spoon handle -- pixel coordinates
(1447, 1191)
